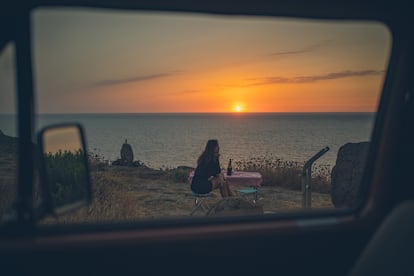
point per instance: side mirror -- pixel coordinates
(64, 170)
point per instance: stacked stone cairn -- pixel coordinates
(127, 157)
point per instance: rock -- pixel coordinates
(180, 174)
(8, 145)
(127, 155)
(231, 206)
(119, 162)
(7, 139)
(347, 174)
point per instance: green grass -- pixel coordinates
(66, 175)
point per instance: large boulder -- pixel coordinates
(347, 174)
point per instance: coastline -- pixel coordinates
(136, 193)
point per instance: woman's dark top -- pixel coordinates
(200, 183)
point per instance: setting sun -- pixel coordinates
(238, 107)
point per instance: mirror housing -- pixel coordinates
(64, 170)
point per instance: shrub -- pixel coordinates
(66, 176)
(179, 174)
(286, 174)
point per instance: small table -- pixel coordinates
(252, 179)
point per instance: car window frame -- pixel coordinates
(319, 218)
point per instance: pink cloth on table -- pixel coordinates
(253, 179)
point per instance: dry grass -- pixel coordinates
(136, 193)
(287, 174)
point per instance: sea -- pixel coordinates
(169, 140)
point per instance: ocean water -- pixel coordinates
(171, 140)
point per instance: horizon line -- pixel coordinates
(224, 112)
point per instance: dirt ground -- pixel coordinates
(125, 194)
(140, 193)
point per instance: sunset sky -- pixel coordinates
(100, 62)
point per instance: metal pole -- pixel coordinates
(307, 177)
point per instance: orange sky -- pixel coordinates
(125, 62)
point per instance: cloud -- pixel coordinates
(314, 78)
(289, 53)
(304, 50)
(112, 82)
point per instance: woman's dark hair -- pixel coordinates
(208, 154)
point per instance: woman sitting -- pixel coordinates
(207, 175)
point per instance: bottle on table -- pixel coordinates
(229, 168)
